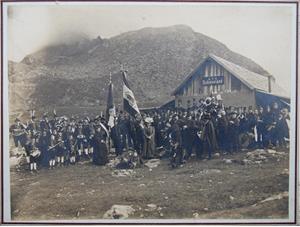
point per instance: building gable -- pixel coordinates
(217, 79)
(249, 79)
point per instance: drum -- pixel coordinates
(36, 153)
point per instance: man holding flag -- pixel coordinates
(131, 107)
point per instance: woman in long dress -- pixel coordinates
(149, 134)
(100, 151)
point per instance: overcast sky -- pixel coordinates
(261, 32)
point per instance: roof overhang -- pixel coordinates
(267, 93)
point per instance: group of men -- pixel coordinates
(61, 140)
(173, 132)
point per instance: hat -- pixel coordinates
(148, 120)
(222, 112)
(208, 101)
(206, 115)
(218, 97)
(233, 112)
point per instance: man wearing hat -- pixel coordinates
(189, 134)
(208, 104)
(233, 132)
(282, 128)
(176, 143)
(122, 122)
(33, 125)
(44, 123)
(18, 132)
(158, 126)
(54, 119)
(209, 136)
(222, 131)
(86, 130)
(149, 135)
(139, 139)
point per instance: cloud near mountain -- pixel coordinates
(77, 74)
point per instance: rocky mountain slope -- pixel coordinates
(77, 74)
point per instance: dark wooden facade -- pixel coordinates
(232, 90)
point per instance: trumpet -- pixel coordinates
(50, 148)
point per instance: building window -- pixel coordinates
(188, 103)
(194, 102)
(235, 84)
(179, 103)
(200, 87)
(209, 69)
(193, 87)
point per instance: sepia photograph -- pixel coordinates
(149, 112)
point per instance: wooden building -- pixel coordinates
(237, 86)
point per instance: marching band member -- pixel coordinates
(18, 132)
(34, 156)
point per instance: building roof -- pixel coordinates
(250, 79)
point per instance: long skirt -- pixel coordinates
(100, 154)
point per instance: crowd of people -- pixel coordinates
(203, 130)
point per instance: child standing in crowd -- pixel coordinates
(60, 151)
(52, 151)
(34, 156)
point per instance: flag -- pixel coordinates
(110, 107)
(129, 101)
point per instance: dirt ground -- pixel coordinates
(200, 189)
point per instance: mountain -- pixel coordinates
(77, 74)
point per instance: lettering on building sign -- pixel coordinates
(212, 80)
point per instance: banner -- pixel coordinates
(212, 80)
(110, 107)
(129, 101)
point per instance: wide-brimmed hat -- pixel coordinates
(206, 115)
(218, 97)
(222, 112)
(233, 112)
(208, 101)
(148, 120)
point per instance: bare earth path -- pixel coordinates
(199, 189)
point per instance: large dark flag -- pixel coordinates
(110, 107)
(129, 101)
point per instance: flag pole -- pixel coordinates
(121, 70)
(109, 129)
